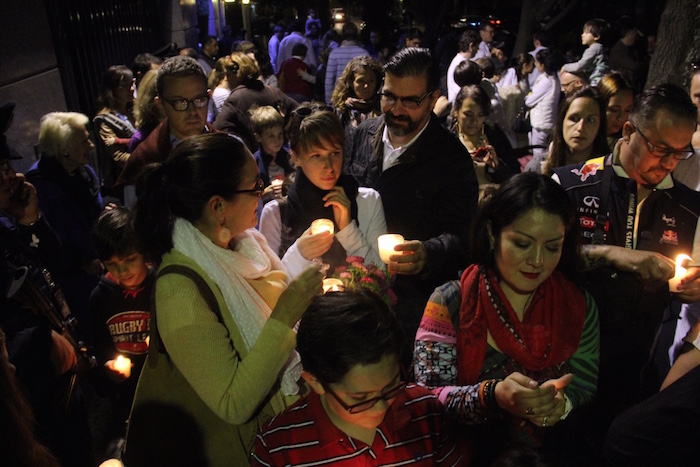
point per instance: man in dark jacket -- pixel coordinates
(183, 96)
(425, 177)
(636, 220)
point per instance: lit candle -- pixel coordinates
(123, 365)
(387, 242)
(321, 225)
(680, 272)
(333, 285)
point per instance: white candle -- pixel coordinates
(332, 285)
(321, 225)
(680, 272)
(123, 365)
(386, 246)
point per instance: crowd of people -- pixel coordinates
(168, 306)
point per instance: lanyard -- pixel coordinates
(602, 217)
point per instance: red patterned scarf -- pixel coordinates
(548, 335)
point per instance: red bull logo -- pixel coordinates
(670, 236)
(586, 171)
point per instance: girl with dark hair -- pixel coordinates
(222, 345)
(501, 345)
(619, 98)
(543, 100)
(489, 148)
(579, 134)
(355, 94)
(513, 87)
(320, 190)
(115, 121)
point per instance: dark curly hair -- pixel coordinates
(344, 86)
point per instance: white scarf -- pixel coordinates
(229, 269)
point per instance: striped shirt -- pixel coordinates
(413, 432)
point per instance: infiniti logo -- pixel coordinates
(591, 201)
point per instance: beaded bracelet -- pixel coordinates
(487, 393)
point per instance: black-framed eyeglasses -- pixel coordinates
(410, 102)
(678, 154)
(369, 403)
(257, 191)
(182, 105)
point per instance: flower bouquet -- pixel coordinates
(356, 275)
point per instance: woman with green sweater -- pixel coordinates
(222, 339)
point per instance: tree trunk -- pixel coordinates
(532, 12)
(678, 43)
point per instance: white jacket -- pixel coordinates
(543, 102)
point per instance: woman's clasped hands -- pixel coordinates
(542, 404)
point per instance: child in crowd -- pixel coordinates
(361, 410)
(120, 307)
(594, 62)
(273, 156)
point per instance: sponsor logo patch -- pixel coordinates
(586, 171)
(670, 236)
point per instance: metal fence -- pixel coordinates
(92, 35)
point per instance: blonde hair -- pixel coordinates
(248, 70)
(217, 75)
(262, 118)
(56, 130)
(146, 112)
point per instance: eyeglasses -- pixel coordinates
(258, 190)
(678, 154)
(410, 103)
(369, 403)
(182, 105)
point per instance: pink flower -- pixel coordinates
(355, 259)
(380, 274)
(345, 275)
(368, 280)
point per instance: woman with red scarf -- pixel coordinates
(512, 348)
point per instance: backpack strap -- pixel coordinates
(156, 345)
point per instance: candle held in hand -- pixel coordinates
(332, 285)
(321, 225)
(681, 271)
(123, 365)
(386, 246)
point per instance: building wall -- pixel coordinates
(53, 53)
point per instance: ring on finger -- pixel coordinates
(529, 411)
(544, 421)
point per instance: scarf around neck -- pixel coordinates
(230, 270)
(305, 204)
(548, 335)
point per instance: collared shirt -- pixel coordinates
(413, 432)
(392, 154)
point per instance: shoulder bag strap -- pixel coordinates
(156, 343)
